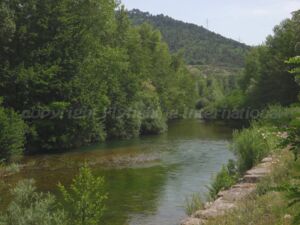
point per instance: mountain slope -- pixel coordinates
(199, 45)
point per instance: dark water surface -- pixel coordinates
(148, 179)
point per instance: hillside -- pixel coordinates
(199, 45)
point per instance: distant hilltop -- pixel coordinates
(199, 45)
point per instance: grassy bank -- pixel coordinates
(277, 198)
(271, 204)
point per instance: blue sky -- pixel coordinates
(249, 21)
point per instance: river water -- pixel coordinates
(149, 178)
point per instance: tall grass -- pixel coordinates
(253, 144)
(223, 180)
(193, 204)
(269, 205)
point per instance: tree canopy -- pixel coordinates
(78, 72)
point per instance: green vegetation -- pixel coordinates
(30, 207)
(267, 71)
(269, 76)
(12, 135)
(276, 127)
(214, 83)
(198, 45)
(193, 204)
(274, 202)
(252, 145)
(227, 177)
(85, 199)
(83, 204)
(79, 73)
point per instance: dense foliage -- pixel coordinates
(12, 135)
(199, 45)
(215, 83)
(267, 78)
(78, 72)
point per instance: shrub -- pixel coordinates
(223, 180)
(30, 207)
(293, 139)
(252, 145)
(85, 199)
(12, 135)
(193, 204)
(278, 116)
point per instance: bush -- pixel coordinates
(85, 199)
(224, 180)
(252, 145)
(30, 207)
(193, 204)
(12, 135)
(279, 116)
(293, 138)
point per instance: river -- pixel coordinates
(148, 178)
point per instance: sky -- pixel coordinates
(248, 21)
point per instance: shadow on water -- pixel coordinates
(148, 178)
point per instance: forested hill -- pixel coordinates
(200, 46)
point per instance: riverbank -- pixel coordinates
(263, 197)
(253, 179)
(229, 199)
(275, 200)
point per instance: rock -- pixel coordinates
(267, 160)
(261, 170)
(218, 208)
(207, 205)
(253, 178)
(287, 217)
(238, 192)
(257, 173)
(193, 221)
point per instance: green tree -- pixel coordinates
(85, 199)
(77, 69)
(12, 135)
(267, 71)
(295, 63)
